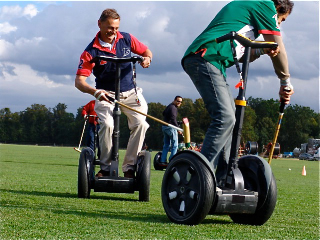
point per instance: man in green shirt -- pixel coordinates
(206, 61)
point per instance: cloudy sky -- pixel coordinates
(41, 42)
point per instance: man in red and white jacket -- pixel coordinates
(110, 42)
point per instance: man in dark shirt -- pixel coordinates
(170, 135)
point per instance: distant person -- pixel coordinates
(109, 41)
(170, 135)
(93, 123)
(206, 61)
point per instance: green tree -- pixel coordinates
(10, 126)
(200, 121)
(298, 125)
(36, 124)
(62, 125)
(154, 137)
(248, 128)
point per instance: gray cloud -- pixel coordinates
(51, 42)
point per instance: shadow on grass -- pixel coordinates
(42, 163)
(66, 195)
(123, 214)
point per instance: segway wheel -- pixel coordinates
(265, 206)
(84, 170)
(143, 176)
(156, 162)
(188, 189)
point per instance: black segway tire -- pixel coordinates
(143, 176)
(156, 161)
(188, 189)
(84, 172)
(263, 212)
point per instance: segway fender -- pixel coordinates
(259, 171)
(200, 157)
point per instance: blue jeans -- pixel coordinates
(90, 137)
(217, 97)
(170, 136)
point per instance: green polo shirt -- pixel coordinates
(255, 16)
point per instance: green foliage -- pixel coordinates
(39, 200)
(154, 135)
(248, 129)
(39, 125)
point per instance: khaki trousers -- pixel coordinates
(136, 122)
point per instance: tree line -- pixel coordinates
(45, 126)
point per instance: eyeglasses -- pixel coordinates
(178, 101)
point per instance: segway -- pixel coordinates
(88, 160)
(189, 189)
(187, 144)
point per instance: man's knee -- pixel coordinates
(140, 126)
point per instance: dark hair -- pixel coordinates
(177, 97)
(109, 13)
(283, 6)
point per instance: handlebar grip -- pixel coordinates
(282, 104)
(246, 42)
(226, 37)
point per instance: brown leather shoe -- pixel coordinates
(103, 173)
(163, 164)
(129, 174)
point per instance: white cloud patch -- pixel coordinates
(30, 11)
(143, 14)
(7, 28)
(21, 73)
(5, 48)
(10, 12)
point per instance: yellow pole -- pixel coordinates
(186, 132)
(275, 137)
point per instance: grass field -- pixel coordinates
(39, 201)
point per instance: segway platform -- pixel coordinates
(114, 184)
(231, 201)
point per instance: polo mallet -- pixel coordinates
(185, 130)
(84, 126)
(153, 118)
(281, 110)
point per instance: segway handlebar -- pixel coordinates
(133, 59)
(246, 42)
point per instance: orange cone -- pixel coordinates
(304, 172)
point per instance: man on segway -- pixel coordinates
(110, 42)
(206, 61)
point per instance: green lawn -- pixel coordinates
(39, 201)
